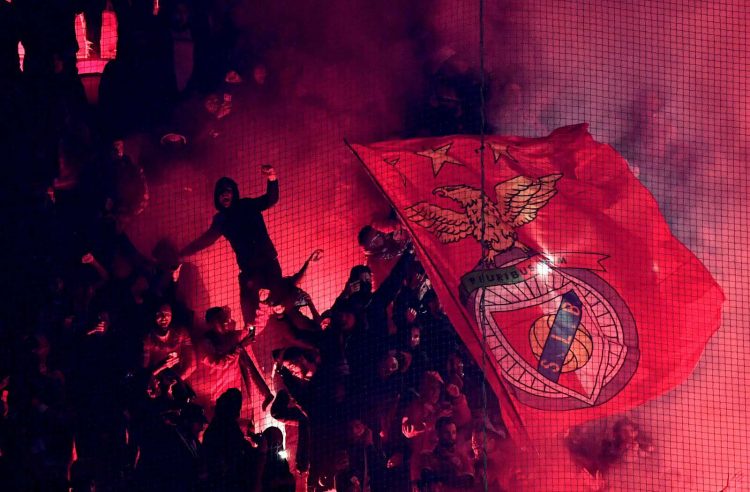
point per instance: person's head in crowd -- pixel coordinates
(447, 433)
(404, 360)
(344, 317)
(274, 440)
(371, 240)
(455, 366)
(228, 405)
(226, 194)
(388, 365)
(415, 275)
(212, 103)
(163, 318)
(118, 149)
(279, 309)
(363, 276)
(220, 319)
(430, 388)
(414, 337)
(432, 303)
(264, 294)
(326, 320)
(358, 432)
(299, 362)
(282, 292)
(166, 254)
(193, 417)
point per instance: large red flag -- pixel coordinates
(560, 270)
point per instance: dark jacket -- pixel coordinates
(242, 225)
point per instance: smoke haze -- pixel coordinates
(665, 83)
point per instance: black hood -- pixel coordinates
(221, 185)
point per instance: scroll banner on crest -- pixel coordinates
(558, 222)
(529, 268)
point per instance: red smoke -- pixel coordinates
(665, 83)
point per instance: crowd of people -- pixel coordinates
(109, 381)
(98, 389)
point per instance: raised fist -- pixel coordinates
(172, 361)
(452, 391)
(316, 255)
(268, 171)
(408, 430)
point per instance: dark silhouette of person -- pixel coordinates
(233, 463)
(276, 474)
(171, 453)
(240, 220)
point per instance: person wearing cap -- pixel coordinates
(240, 221)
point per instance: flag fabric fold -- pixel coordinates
(557, 268)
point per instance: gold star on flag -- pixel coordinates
(439, 157)
(499, 151)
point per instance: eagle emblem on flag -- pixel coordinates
(492, 224)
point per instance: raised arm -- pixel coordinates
(203, 241)
(315, 256)
(264, 202)
(89, 259)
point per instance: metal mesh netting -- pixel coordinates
(253, 246)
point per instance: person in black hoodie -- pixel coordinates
(240, 220)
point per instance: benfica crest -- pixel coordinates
(561, 335)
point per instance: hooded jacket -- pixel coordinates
(242, 225)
